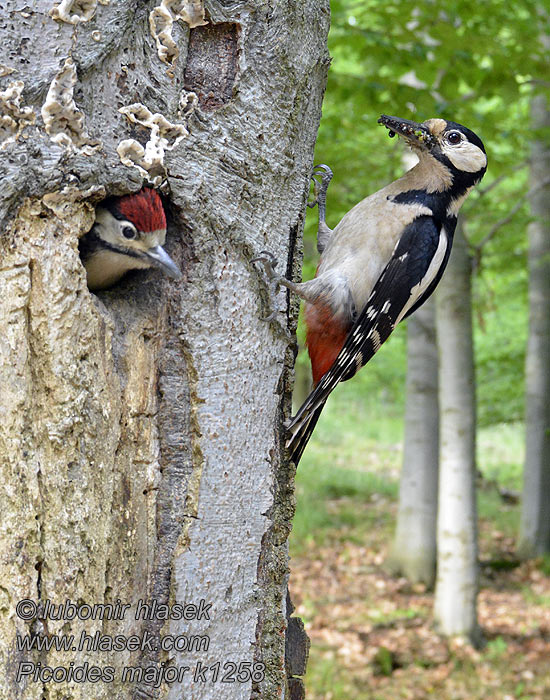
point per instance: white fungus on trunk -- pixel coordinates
(63, 121)
(165, 136)
(14, 117)
(161, 22)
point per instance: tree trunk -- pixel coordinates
(457, 568)
(414, 548)
(535, 517)
(140, 431)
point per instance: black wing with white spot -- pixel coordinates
(400, 280)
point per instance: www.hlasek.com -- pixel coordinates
(153, 675)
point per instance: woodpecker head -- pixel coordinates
(128, 234)
(456, 148)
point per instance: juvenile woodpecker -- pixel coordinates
(128, 234)
(383, 260)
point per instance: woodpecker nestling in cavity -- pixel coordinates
(128, 234)
(383, 260)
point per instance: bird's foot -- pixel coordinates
(321, 177)
(269, 263)
(273, 280)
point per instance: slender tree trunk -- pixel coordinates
(535, 517)
(414, 548)
(140, 431)
(457, 567)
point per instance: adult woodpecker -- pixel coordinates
(383, 260)
(128, 234)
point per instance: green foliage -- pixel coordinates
(380, 617)
(544, 564)
(384, 661)
(500, 454)
(500, 356)
(503, 518)
(496, 648)
(354, 458)
(335, 504)
(335, 483)
(329, 674)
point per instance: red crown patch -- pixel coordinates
(144, 209)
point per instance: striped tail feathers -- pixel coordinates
(326, 334)
(371, 328)
(300, 429)
(301, 426)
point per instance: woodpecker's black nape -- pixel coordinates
(470, 135)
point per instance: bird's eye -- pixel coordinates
(129, 232)
(454, 137)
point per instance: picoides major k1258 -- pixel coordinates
(383, 260)
(128, 234)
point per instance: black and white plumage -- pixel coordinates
(383, 260)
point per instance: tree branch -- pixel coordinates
(506, 219)
(481, 191)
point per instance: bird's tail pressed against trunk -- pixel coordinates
(300, 430)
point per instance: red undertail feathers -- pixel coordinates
(325, 337)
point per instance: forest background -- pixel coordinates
(485, 66)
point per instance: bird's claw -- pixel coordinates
(268, 262)
(321, 167)
(319, 186)
(268, 319)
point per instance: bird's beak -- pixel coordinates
(160, 258)
(415, 133)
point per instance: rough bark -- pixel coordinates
(535, 516)
(140, 438)
(457, 567)
(414, 549)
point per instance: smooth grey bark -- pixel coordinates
(141, 428)
(535, 516)
(455, 608)
(413, 552)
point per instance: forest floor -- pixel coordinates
(372, 635)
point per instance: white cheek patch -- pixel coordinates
(466, 157)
